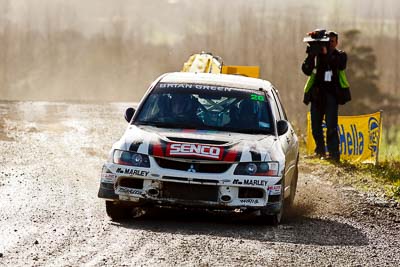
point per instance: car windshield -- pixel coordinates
(198, 106)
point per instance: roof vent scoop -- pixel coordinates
(208, 63)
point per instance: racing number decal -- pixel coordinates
(255, 97)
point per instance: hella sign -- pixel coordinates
(194, 150)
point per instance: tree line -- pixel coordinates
(66, 64)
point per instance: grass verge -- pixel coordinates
(389, 173)
(382, 179)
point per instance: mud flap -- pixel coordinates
(106, 190)
(272, 208)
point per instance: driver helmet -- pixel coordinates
(182, 103)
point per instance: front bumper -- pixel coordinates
(183, 188)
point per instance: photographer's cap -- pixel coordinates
(332, 34)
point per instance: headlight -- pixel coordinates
(257, 168)
(131, 159)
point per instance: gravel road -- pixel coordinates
(50, 161)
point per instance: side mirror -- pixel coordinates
(129, 114)
(282, 126)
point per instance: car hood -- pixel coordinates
(199, 145)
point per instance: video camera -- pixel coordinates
(316, 40)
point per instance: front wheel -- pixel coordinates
(293, 187)
(275, 219)
(117, 211)
(275, 213)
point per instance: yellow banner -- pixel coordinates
(359, 137)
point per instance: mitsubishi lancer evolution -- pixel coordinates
(208, 141)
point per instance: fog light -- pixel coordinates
(226, 198)
(153, 192)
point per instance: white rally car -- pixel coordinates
(200, 140)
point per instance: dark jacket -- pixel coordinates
(335, 61)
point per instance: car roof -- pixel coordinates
(228, 80)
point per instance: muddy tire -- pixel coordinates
(118, 212)
(293, 187)
(277, 217)
(274, 219)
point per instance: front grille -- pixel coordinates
(189, 191)
(176, 178)
(245, 192)
(198, 167)
(195, 180)
(131, 183)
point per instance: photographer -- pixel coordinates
(324, 89)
